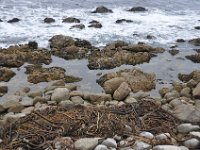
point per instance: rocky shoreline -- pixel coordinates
(123, 116)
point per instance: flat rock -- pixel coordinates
(147, 135)
(86, 143)
(28, 110)
(78, 26)
(194, 57)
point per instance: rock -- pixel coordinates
(137, 9)
(122, 92)
(78, 26)
(195, 41)
(33, 44)
(102, 9)
(2, 109)
(40, 99)
(197, 27)
(77, 100)
(71, 20)
(58, 83)
(139, 145)
(60, 94)
(110, 103)
(147, 135)
(167, 147)
(187, 127)
(135, 78)
(164, 91)
(96, 98)
(3, 90)
(123, 20)
(172, 95)
(16, 108)
(196, 91)
(12, 118)
(195, 75)
(95, 24)
(174, 52)
(14, 20)
(163, 137)
(28, 110)
(65, 103)
(49, 20)
(60, 41)
(61, 143)
(27, 101)
(194, 58)
(195, 133)
(183, 111)
(180, 40)
(51, 102)
(1, 20)
(6, 74)
(101, 147)
(35, 94)
(191, 83)
(186, 92)
(130, 100)
(192, 143)
(109, 142)
(86, 143)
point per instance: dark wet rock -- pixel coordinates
(16, 56)
(68, 48)
(78, 26)
(150, 37)
(197, 27)
(102, 9)
(123, 20)
(49, 20)
(37, 74)
(137, 9)
(180, 40)
(6, 74)
(135, 78)
(195, 42)
(71, 20)
(95, 24)
(3, 90)
(195, 75)
(194, 58)
(114, 55)
(14, 20)
(33, 44)
(1, 20)
(174, 52)
(197, 50)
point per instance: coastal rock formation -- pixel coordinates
(95, 24)
(195, 41)
(102, 9)
(49, 20)
(194, 58)
(16, 56)
(38, 74)
(71, 20)
(119, 53)
(6, 74)
(3, 90)
(14, 20)
(123, 20)
(78, 26)
(138, 9)
(136, 79)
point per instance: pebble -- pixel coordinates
(130, 100)
(194, 133)
(65, 103)
(139, 145)
(86, 143)
(101, 147)
(147, 135)
(192, 143)
(187, 127)
(60, 94)
(169, 147)
(163, 136)
(27, 101)
(109, 142)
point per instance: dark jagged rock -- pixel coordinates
(195, 41)
(150, 37)
(102, 9)
(194, 58)
(60, 41)
(37, 74)
(137, 9)
(78, 26)
(16, 56)
(195, 75)
(82, 43)
(14, 20)
(197, 27)
(180, 40)
(3, 90)
(1, 20)
(174, 52)
(95, 24)
(49, 20)
(71, 20)
(123, 20)
(6, 74)
(33, 44)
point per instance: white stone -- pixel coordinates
(28, 110)
(147, 135)
(60, 94)
(192, 143)
(187, 127)
(139, 145)
(101, 147)
(162, 136)
(86, 143)
(166, 147)
(109, 142)
(195, 133)
(130, 100)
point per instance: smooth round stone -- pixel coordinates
(109, 142)
(101, 147)
(168, 147)
(187, 127)
(86, 143)
(147, 135)
(162, 137)
(194, 133)
(139, 145)
(192, 143)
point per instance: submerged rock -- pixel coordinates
(49, 20)
(138, 9)
(6, 74)
(180, 40)
(194, 58)
(78, 26)
(95, 24)
(135, 78)
(196, 91)
(123, 20)
(71, 20)
(14, 20)
(102, 9)
(195, 76)
(38, 74)
(195, 42)
(1, 20)
(197, 27)
(174, 52)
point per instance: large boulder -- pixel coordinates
(6, 74)
(60, 41)
(49, 20)
(122, 92)
(14, 20)
(71, 20)
(60, 94)
(194, 58)
(102, 9)
(135, 78)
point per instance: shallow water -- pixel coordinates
(166, 20)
